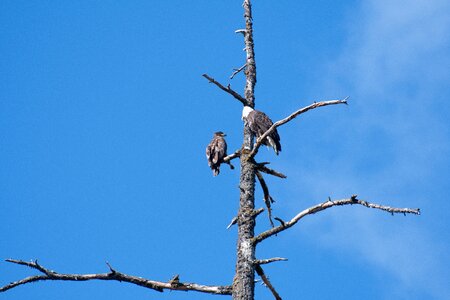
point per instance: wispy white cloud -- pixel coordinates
(395, 66)
(409, 254)
(396, 42)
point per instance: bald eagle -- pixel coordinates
(216, 151)
(259, 123)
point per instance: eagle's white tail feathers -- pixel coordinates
(273, 144)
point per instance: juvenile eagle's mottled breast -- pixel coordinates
(259, 123)
(216, 151)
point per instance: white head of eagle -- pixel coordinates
(245, 111)
(259, 123)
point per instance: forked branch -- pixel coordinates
(255, 213)
(232, 156)
(291, 117)
(226, 89)
(236, 71)
(113, 275)
(227, 159)
(327, 204)
(262, 167)
(269, 260)
(266, 281)
(268, 200)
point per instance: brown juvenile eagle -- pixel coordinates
(259, 123)
(216, 151)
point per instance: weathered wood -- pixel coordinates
(291, 117)
(113, 275)
(243, 284)
(244, 280)
(250, 72)
(330, 203)
(227, 89)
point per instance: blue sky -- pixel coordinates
(104, 118)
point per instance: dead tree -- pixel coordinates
(243, 284)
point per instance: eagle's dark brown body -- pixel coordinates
(259, 123)
(216, 151)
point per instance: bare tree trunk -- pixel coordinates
(243, 285)
(244, 281)
(250, 71)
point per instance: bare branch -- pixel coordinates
(268, 261)
(233, 222)
(113, 275)
(236, 153)
(266, 281)
(264, 169)
(229, 164)
(268, 200)
(227, 159)
(257, 212)
(292, 116)
(254, 215)
(280, 220)
(175, 280)
(327, 204)
(226, 89)
(236, 71)
(110, 267)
